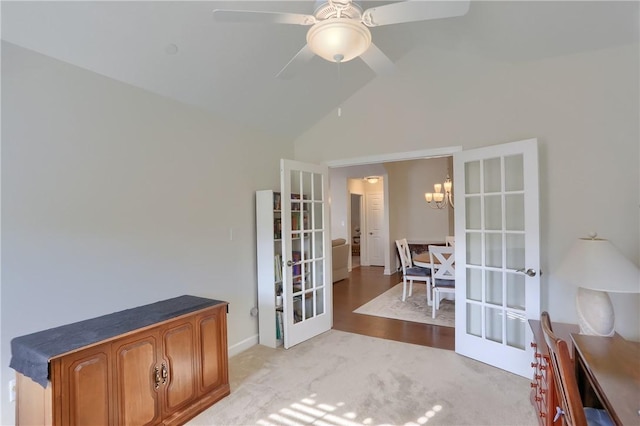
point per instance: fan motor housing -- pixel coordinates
(348, 9)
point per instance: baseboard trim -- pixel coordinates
(243, 345)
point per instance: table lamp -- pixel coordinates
(596, 267)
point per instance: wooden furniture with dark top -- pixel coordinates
(163, 373)
(543, 389)
(609, 369)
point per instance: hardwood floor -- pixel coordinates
(367, 282)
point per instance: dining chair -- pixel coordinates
(411, 273)
(450, 240)
(572, 411)
(443, 273)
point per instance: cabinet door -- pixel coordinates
(84, 382)
(178, 365)
(138, 378)
(212, 349)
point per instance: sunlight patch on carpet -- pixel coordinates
(308, 411)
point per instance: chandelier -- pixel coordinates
(438, 199)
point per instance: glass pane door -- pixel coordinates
(497, 218)
(307, 289)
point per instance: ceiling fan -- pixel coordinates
(340, 28)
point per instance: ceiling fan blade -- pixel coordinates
(413, 10)
(378, 61)
(262, 17)
(301, 58)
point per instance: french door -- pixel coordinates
(497, 253)
(307, 286)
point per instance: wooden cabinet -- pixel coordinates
(165, 373)
(543, 389)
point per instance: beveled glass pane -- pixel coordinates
(474, 319)
(493, 212)
(296, 269)
(514, 212)
(308, 305)
(494, 287)
(318, 273)
(473, 215)
(474, 284)
(493, 250)
(307, 278)
(474, 248)
(318, 218)
(318, 245)
(297, 309)
(306, 185)
(296, 182)
(472, 177)
(515, 251)
(514, 172)
(320, 301)
(516, 324)
(492, 175)
(493, 318)
(516, 295)
(317, 187)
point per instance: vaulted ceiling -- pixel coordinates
(177, 50)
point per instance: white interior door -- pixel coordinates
(307, 288)
(375, 223)
(497, 253)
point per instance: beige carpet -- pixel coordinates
(390, 305)
(344, 379)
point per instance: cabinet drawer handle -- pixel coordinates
(165, 374)
(156, 378)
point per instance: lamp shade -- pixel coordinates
(338, 39)
(595, 264)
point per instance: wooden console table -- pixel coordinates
(161, 363)
(609, 367)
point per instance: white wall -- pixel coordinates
(583, 108)
(113, 197)
(410, 215)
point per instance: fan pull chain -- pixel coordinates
(339, 59)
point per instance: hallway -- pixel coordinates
(367, 282)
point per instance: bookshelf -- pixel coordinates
(272, 308)
(269, 254)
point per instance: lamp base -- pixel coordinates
(595, 312)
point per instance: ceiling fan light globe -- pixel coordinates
(338, 38)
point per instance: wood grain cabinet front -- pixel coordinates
(83, 387)
(163, 374)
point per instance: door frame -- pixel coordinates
(390, 255)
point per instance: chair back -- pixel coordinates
(442, 264)
(450, 240)
(564, 375)
(405, 254)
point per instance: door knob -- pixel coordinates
(530, 272)
(289, 263)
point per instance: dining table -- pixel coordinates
(422, 260)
